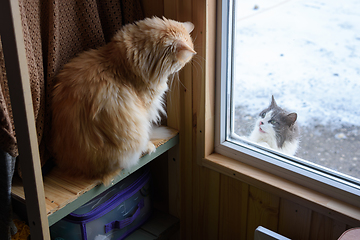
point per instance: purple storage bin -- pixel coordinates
(114, 214)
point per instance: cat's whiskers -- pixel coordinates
(195, 37)
(173, 86)
(198, 63)
(171, 82)
(177, 79)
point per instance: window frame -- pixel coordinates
(312, 176)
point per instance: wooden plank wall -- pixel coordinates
(243, 207)
(212, 205)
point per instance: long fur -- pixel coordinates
(277, 129)
(105, 101)
(160, 133)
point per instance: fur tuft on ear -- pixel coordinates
(189, 26)
(273, 103)
(184, 52)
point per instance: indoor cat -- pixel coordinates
(105, 101)
(276, 128)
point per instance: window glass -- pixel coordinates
(306, 54)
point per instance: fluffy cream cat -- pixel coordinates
(105, 101)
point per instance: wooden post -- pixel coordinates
(190, 112)
(21, 101)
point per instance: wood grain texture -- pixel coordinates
(205, 207)
(313, 200)
(174, 182)
(263, 210)
(206, 183)
(199, 187)
(325, 228)
(233, 208)
(294, 220)
(180, 117)
(209, 83)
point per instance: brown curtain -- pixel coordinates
(54, 32)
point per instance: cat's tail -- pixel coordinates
(160, 132)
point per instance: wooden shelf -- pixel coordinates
(64, 195)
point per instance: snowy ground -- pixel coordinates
(307, 54)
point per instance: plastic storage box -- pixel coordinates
(114, 214)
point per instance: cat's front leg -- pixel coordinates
(150, 147)
(265, 144)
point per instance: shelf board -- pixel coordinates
(64, 195)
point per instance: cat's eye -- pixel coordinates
(272, 122)
(263, 114)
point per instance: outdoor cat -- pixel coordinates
(106, 101)
(277, 129)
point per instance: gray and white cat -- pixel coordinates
(277, 129)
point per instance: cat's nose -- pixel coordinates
(261, 123)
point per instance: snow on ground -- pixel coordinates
(305, 53)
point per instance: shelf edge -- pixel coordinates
(86, 196)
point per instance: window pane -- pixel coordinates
(307, 55)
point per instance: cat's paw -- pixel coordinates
(264, 144)
(150, 148)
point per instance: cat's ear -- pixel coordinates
(273, 103)
(189, 26)
(291, 118)
(184, 52)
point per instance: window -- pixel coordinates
(307, 55)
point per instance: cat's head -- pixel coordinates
(161, 46)
(278, 122)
